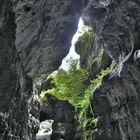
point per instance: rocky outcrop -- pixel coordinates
(15, 86)
(92, 57)
(116, 25)
(116, 102)
(62, 113)
(57, 110)
(44, 33)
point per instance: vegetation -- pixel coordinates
(86, 101)
(70, 85)
(84, 45)
(87, 38)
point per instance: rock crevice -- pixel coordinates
(116, 101)
(42, 39)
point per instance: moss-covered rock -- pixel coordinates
(92, 56)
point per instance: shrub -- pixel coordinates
(69, 85)
(87, 38)
(85, 103)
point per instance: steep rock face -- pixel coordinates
(63, 113)
(92, 57)
(116, 102)
(116, 24)
(44, 33)
(15, 86)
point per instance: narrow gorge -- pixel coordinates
(97, 98)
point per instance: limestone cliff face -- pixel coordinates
(44, 33)
(33, 42)
(116, 102)
(92, 57)
(63, 114)
(15, 86)
(116, 24)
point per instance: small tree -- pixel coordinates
(69, 84)
(73, 64)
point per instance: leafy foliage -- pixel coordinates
(87, 38)
(69, 84)
(91, 88)
(73, 64)
(86, 100)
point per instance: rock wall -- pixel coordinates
(92, 57)
(15, 86)
(116, 24)
(116, 102)
(44, 33)
(63, 114)
(33, 42)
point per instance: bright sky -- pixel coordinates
(72, 52)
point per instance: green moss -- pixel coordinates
(84, 121)
(42, 96)
(97, 59)
(84, 45)
(87, 38)
(91, 88)
(68, 85)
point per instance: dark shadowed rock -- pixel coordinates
(44, 33)
(15, 86)
(58, 110)
(65, 131)
(116, 102)
(116, 24)
(62, 113)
